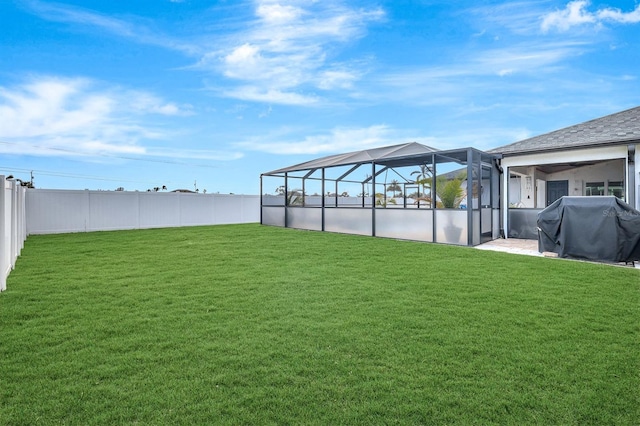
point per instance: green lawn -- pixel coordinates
(245, 324)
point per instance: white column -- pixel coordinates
(637, 177)
(504, 201)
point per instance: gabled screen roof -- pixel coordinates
(386, 153)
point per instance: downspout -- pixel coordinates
(498, 163)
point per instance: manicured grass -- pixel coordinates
(246, 324)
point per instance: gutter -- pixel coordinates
(570, 148)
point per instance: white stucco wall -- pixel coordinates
(613, 170)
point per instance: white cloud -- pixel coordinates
(240, 58)
(200, 154)
(616, 15)
(575, 13)
(519, 17)
(51, 106)
(277, 13)
(289, 47)
(144, 102)
(484, 137)
(59, 116)
(251, 63)
(525, 57)
(338, 140)
(275, 96)
(336, 78)
(348, 139)
(472, 75)
(75, 15)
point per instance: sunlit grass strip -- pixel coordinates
(246, 324)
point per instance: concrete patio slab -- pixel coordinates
(530, 248)
(512, 245)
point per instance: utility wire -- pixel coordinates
(73, 176)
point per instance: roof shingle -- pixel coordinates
(616, 128)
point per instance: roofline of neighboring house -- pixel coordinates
(568, 148)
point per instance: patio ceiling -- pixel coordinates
(560, 167)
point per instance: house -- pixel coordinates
(597, 157)
(397, 191)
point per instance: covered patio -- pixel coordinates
(408, 191)
(599, 157)
(531, 188)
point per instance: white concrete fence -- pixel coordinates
(13, 230)
(51, 211)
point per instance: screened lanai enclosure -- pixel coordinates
(408, 191)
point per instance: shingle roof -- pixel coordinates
(616, 128)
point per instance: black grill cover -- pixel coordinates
(594, 228)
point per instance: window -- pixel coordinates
(594, 188)
(616, 188)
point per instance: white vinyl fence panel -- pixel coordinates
(51, 211)
(12, 226)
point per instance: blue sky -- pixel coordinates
(209, 94)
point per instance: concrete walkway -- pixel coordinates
(513, 245)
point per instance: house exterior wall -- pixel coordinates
(602, 172)
(522, 192)
(577, 178)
